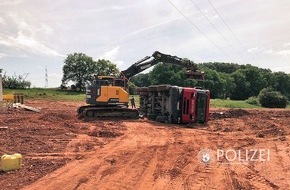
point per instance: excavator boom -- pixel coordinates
(157, 57)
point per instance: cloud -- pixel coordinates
(2, 21)
(284, 52)
(250, 50)
(152, 26)
(215, 16)
(112, 56)
(287, 44)
(269, 51)
(24, 38)
(28, 43)
(2, 55)
(11, 2)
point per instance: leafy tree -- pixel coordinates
(213, 82)
(256, 79)
(270, 98)
(280, 81)
(228, 85)
(79, 68)
(221, 67)
(141, 80)
(242, 89)
(170, 74)
(106, 68)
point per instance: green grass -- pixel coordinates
(48, 94)
(218, 103)
(54, 94)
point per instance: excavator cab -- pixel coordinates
(107, 90)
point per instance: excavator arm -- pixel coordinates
(157, 57)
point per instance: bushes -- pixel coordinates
(253, 100)
(270, 98)
(15, 82)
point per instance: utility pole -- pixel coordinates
(46, 78)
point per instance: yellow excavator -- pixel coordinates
(108, 96)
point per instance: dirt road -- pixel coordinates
(62, 152)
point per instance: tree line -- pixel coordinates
(224, 80)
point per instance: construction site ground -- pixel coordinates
(61, 151)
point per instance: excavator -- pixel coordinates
(108, 96)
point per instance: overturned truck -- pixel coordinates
(173, 104)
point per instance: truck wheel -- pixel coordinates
(142, 93)
(161, 118)
(151, 116)
(143, 89)
(152, 88)
(163, 87)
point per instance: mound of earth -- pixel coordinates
(231, 113)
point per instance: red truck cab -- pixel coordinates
(194, 105)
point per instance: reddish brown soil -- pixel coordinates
(62, 152)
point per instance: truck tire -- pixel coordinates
(152, 88)
(151, 116)
(162, 118)
(163, 87)
(143, 93)
(143, 89)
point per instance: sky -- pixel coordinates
(35, 34)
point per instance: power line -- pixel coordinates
(229, 28)
(196, 6)
(199, 29)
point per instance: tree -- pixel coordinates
(106, 68)
(213, 82)
(79, 68)
(280, 81)
(170, 74)
(228, 85)
(256, 79)
(242, 89)
(141, 80)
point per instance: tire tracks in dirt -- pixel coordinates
(150, 156)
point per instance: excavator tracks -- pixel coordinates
(107, 112)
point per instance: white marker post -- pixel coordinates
(1, 89)
(2, 103)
